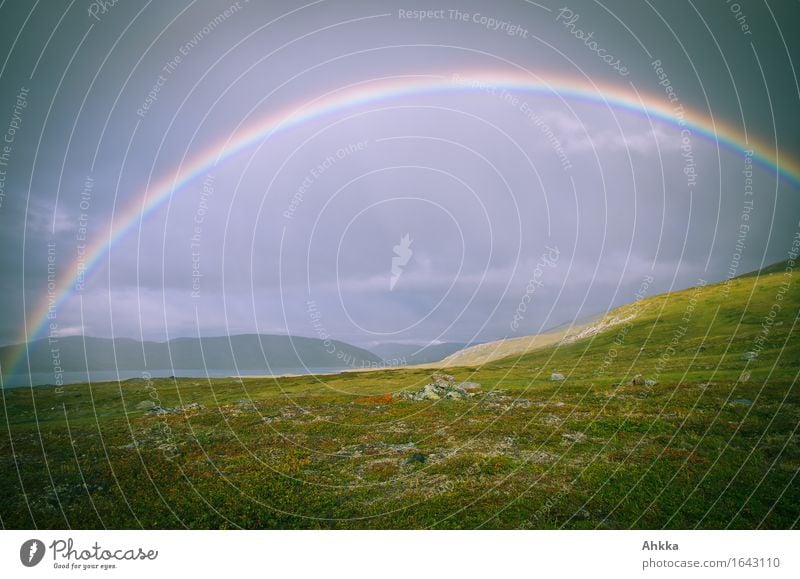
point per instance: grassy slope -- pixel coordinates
(713, 444)
(483, 353)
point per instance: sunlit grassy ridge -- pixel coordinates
(712, 444)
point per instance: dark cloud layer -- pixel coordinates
(316, 212)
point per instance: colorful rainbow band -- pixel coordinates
(654, 106)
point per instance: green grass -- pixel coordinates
(712, 445)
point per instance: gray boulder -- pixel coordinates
(443, 380)
(471, 387)
(556, 377)
(430, 392)
(443, 386)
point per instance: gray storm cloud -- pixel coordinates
(481, 183)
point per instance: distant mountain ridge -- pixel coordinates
(220, 353)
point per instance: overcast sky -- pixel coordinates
(494, 212)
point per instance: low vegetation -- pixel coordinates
(682, 415)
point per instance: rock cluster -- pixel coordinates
(637, 380)
(443, 386)
(192, 408)
(640, 380)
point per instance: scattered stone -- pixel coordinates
(557, 377)
(400, 447)
(417, 458)
(749, 355)
(573, 437)
(159, 410)
(650, 382)
(443, 386)
(374, 449)
(191, 408)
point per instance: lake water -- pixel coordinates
(46, 378)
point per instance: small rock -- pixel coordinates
(573, 437)
(443, 380)
(650, 382)
(742, 402)
(470, 387)
(146, 405)
(638, 380)
(745, 376)
(557, 377)
(749, 355)
(158, 410)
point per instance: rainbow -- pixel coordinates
(653, 105)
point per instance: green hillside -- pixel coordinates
(488, 352)
(712, 325)
(663, 420)
(699, 333)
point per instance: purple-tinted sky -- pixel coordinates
(496, 213)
